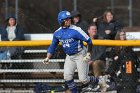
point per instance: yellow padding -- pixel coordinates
(48, 42)
(26, 43)
(116, 42)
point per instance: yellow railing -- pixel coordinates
(48, 42)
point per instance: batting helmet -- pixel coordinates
(63, 15)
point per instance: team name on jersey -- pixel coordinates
(66, 40)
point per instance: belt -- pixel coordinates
(74, 53)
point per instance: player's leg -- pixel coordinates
(69, 69)
(83, 69)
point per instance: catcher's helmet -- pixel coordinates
(63, 15)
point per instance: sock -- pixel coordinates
(72, 86)
(94, 79)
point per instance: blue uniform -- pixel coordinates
(72, 39)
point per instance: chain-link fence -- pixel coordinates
(23, 71)
(26, 70)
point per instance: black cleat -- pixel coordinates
(90, 87)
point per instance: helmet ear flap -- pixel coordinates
(60, 21)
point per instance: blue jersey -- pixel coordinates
(71, 38)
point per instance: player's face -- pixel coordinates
(109, 17)
(67, 22)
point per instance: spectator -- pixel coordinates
(99, 60)
(98, 51)
(105, 22)
(98, 57)
(107, 27)
(121, 35)
(12, 32)
(92, 31)
(77, 20)
(122, 57)
(117, 53)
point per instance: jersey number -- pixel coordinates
(66, 45)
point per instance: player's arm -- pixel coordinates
(80, 34)
(84, 37)
(51, 49)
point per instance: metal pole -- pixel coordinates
(75, 5)
(6, 9)
(130, 13)
(60, 5)
(16, 9)
(112, 6)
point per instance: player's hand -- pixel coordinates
(87, 57)
(46, 60)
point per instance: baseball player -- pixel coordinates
(77, 56)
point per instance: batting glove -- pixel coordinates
(46, 60)
(87, 57)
